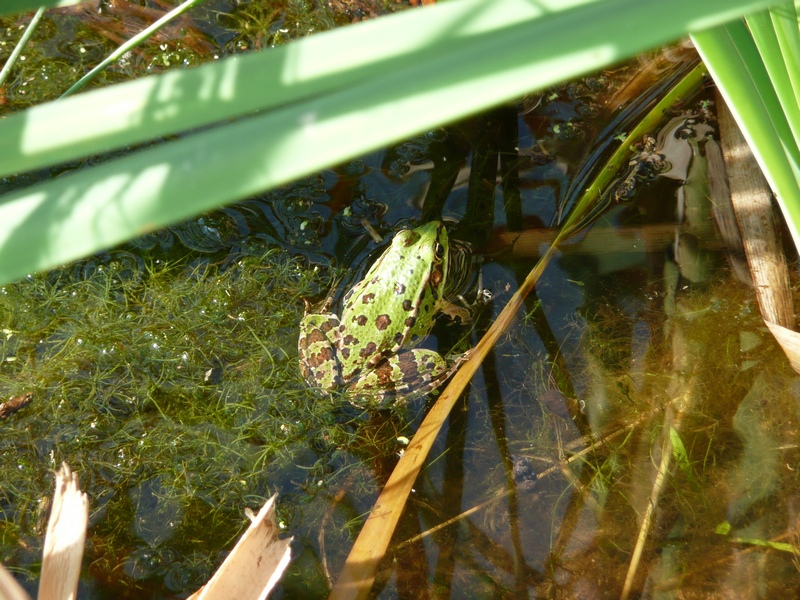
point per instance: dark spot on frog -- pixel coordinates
(398, 338)
(408, 367)
(368, 350)
(410, 322)
(367, 298)
(324, 355)
(411, 238)
(407, 305)
(345, 353)
(314, 336)
(399, 289)
(350, 340)
(383, 372)
(383, 322)
(414, 338)
(360, 320)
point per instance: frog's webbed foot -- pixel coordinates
(465, 311)
(456, 312)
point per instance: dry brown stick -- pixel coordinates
(370, 547)
(17, 403)
(752, 201)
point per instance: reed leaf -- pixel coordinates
(738, 69)
(331, 97)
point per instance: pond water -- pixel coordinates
(165, 373)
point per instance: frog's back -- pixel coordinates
(395, 304)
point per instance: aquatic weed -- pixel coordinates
(172, 389)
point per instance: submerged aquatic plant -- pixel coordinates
(152, 379)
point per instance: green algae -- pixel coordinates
(172, 390)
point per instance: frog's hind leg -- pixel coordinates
(402, 376)
(316, 346)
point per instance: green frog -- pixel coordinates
(369, 352)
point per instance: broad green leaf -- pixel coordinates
(506, 48)
(737, 67)
(429, 67)
(765, 35)
(785, 21)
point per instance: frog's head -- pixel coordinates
(427, 248)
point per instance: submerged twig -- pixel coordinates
(17, 403)
(557, 468)
(681, 406)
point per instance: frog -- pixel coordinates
(370, 351)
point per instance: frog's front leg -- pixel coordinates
(317, 347)
(411, 372)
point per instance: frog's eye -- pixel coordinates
(439, 252)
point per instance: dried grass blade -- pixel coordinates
(66, 534)
(359, 570)
(752, 202)
(9, 588)
(673, 418)
(254, 565)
